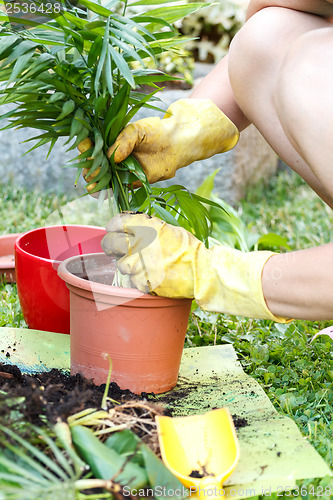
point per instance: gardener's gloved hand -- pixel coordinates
(192, 129)
(173, 263)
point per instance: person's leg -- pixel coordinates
(280, 67)
(268, 79)
(304, 101)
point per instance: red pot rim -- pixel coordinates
(19, 240)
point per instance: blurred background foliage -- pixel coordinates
(210, 31)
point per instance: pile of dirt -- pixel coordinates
(56, 395)
(53, 394)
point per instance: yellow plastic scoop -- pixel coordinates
(202, 451)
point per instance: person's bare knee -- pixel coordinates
(304, 100)
(257, 51)
(252, 52)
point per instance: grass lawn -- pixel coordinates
(297, 375)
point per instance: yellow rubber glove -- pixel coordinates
(171, 262)
(192, 129)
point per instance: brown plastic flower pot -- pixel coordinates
(141, 333)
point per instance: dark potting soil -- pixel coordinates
(57, 395)
(52, 394)
(239, 422)
(203, 472)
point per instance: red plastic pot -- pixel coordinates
(43, 296)
(141, 333)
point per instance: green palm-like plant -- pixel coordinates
(49, 466)
(41, 470)
(75, 74)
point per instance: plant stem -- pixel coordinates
(86, 484)
(104, 404)
(123, 201)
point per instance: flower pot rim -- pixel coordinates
(42, 228)
(72, 280)
(7, 258)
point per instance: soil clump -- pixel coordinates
(54, 394)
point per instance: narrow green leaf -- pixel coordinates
(18, 20)
(32, 463)
(53, 141)
(152, 2)
(127, 50)
(82, 135)
(21, 470)
(100, 105)
(143, 18)
(116, 113)
(177, 12)
(37, 145)
(272, 240)
(102, 57)
(134, 166)
(132, 38)
(7, 42)
(118, 123)
(67, 108)
(158, 474)
(165, 215)
(56, 96)
(78, 40)
(60, 466)
(107, 73)
(99, 142)
(93, 25)
(139, 105)
(21, 48)
(138, 198)
(77, 176)
(20, 64)
(123, 442)
(95, 50)
(76, 125)
(97, 8)
(122, 66)
(38, 454)
(103, 183)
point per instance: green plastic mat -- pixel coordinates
(273, 455)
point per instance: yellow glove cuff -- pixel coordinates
(236, 287)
